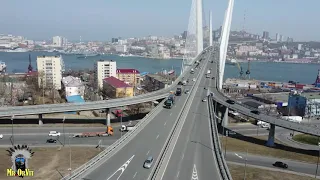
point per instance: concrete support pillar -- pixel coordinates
(225, 120)
(40, 120)
(108, 117)
(272, 131)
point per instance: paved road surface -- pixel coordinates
(253, 130)
(38, 135)
(264, 161)
(127, 163)
(193, 155)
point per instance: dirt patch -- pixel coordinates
(256, 145)
(48, 162)
(237, 173)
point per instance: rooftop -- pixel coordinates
(128, 71)
(159, 78)
(116, 83)
(71, 81)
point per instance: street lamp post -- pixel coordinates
(225, 146)
(245, 166)
(315, 176)
(70, 155)
(64, 136)
(121, 120)
(12, 136)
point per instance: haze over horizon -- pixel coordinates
(102, 20)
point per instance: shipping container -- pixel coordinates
(306, 87)
(262, 83)
(279, 104)
(278, 85)
(242, 85)
(253, 86)
(291, 86)
(300, 86)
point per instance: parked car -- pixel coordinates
(1, 136)
(281, 165)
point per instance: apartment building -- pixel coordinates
(129, 76)
(104, 69)
(50, 70)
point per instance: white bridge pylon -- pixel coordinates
(194, 39)
(224, 41)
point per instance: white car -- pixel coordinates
(1, 136)
(54, 133)
(194, 79)
(204, 100)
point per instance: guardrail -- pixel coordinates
(107, 153)
(163, 153)
(223, 167)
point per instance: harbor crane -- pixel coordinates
(240, 70)
(248, 71)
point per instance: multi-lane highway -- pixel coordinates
(193, 155)
(127, 162)
(37, 136)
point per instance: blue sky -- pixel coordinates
(103, 19)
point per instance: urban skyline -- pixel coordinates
(104, 20)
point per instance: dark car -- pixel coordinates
(281, 165)
(255, 112)
(51, 141)
(230, 101)
(179, 83)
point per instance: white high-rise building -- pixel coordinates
(104, 69)
(57, 41)
(50, 70)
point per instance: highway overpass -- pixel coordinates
(186, 124)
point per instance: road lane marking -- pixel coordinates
(122, 168)
(170, 114)
(182, 156)
(134, 175)
(238, 155)
(178, 174)
(157, 136)
(175, 106)
(165, 123)
(148, 153)
(194, 173)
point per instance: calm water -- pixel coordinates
(304, 73)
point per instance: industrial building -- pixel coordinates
(129, 76)
(115, 88)
(50, 70)
(104, 69)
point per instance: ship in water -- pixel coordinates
(87, 55)
(3, 67)
(18, 50)
(231, 62)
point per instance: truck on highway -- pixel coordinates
(126, 128)
(178, 91)
(170, 101)
(109, 132)
(117, 112)
(296, 119)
